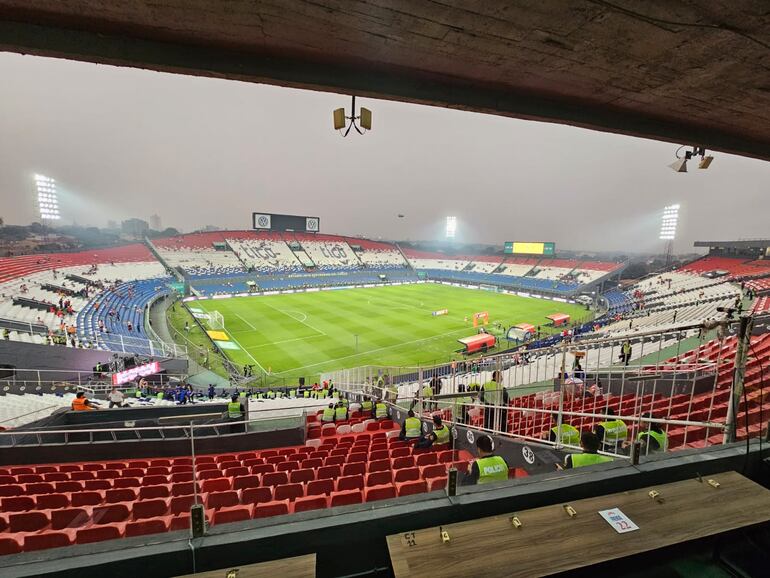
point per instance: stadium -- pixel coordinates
(289, 398)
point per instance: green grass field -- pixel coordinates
(310, 333)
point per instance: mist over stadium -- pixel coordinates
(322, 290)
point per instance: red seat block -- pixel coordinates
(216, 485)
(346, 498)
(301, 476)
(328, 472)
(9, 545)
(182, 489)
(289, 466)
(262, 469)
(353, 469)
(437, 483)
(379, 478)
(350, 483)
(87, 498)
(45, 540)
(215, 500)
(427, 459)
(40, 488)
(407, 474)
(98, 534)
(243, 482)
(97, 484)
(64, 487)
(379, 466)
(275, 479)
(17, 504)
(150, 492)
(180, 504)
(275, 508)
(52, 501)
(110, 514)
(119, 495)
(310, 503)
(318, 487)
(11, 490)
(404, 462)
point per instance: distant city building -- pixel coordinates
(155, 223)
(136, 228)
(112, 225)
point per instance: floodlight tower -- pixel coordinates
(47, 202)
(451, 227)
(668, 226)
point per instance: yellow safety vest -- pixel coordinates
(328, 414)
(442, 435)
(413, 427)
(380, 411)
(341, 413)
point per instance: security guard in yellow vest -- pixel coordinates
(380, 410)
(340, 412)
(568, 435)
(612, 433)
(235, 413)
(488, 467)
(366, 407)
(439, 435)
(590, 456)
(493, 394)
(328, 414)
(411, 429)
(654, 439)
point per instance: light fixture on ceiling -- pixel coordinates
(680, 164)
(341, 119)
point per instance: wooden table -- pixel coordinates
(299, 567)
(551, 541)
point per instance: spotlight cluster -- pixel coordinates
(668, 223)
(47, 198)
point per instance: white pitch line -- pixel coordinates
(246, 322)
(284, 341)
(297, 320)
(246, 351)
(465, 329)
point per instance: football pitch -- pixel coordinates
(306, 334)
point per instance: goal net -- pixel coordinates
(216, 321)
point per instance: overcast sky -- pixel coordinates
(129, 143)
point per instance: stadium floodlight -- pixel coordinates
(680, 164)
(47, 198)
(341, 120)
(669, 223)
(451, 227)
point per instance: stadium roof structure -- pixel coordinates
(682, 72)
(743, 244)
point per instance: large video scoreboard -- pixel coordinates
(272, 222)
(529, 248)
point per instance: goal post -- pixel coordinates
(216, 320)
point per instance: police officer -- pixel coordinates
(328, 414)
(590, 456)
(411, 429)
(612, 433)
(568, 435)
(493, 394)
(366, 407)
(380, 410)
(235, 413)
(488, 467)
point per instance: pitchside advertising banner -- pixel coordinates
(273, 222)
(529, 248)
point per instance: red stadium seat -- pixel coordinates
(244, 482)
(437, 483)
(183, 462)
(28, 521)
(357, 457)
(404, 462)
(181, 469)
(246, 456)
(40, 488)
(355, 482)
(383, 492)
(45, 469)
(143, 464)
(312, 463)
(223, 458)
(301, 476)
(379, 455)
(180, 504)
(29, 478)
(181, 477)
(63, 487)
(334, 461)
(256, 495)
(434, 471)
(427, 459)
(252, 462)
(159, 463)
(110, 514)
(379, 478)
(119, 466)
(126, 483)
(318, 487)
(11, 490)
(149, 492)
(92, 467)
(45, 540)
(69, 518)
(208, 474)
(182, 489)
(233, 514)
(275, 479)
(84, 475)
(289, 491)
(180, 522)
(98, 534)
(216, 485)
(52, 501)
(132, 472)
(328, 472)
(70, 468)
(262, 469)
(310, 503)
(9, 545)
(275, 459)
(275, 508)
(379, 466)
(236, 472)
(409, 488)
(289, 466)
(149, 509)
(107, 474)
(144, 527)
(407, 474)
(346, 498)
(353, 469)
(157, 471)
(215, 500)
(56, 477)
(17, 504)
(119, 495)
(97, 484)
